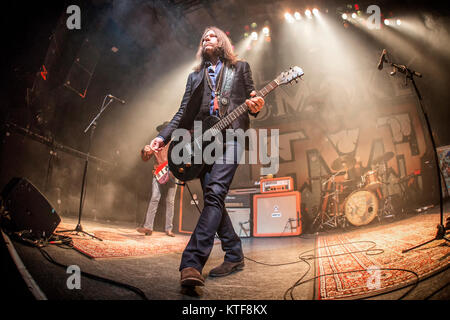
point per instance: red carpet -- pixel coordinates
(122, 242)
(392, 239)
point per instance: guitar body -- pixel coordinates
(189, 170)
(162, 173)
(184, 151)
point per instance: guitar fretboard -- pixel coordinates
(241, 109)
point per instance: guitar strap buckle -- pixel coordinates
(225, 92)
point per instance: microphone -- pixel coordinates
(115, 98)
(404, 69)
(382, 59)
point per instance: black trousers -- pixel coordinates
(215, 181)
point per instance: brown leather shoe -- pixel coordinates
(170, 233)
(191, 277)
(226, 268)
(145, 231)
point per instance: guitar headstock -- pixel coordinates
(288, 76)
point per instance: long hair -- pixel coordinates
(225, 48)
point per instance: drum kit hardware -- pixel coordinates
(355, 198)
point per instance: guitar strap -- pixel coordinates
(225, 92)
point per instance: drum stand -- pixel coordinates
(326, 219)
(386, 209)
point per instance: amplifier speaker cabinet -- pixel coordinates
(240, 218)
(240, 198)
(277, 214)
(188, 214)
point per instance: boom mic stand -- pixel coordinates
(93, 124)
(409, 75)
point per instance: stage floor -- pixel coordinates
(272, 266)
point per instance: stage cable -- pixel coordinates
(61, 241)
(315, 258)
(136, 290)
(369, 251)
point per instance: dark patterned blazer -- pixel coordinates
(197, 98)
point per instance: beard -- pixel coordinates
(216, 51)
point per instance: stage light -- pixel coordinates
(254, 25)
(344, 16)
(266, 31)
(315, 11)
(289, 17)
(356, 7)
(254, 36)
(399, 22)
(297, 15)
(308, 13)
(386, 22)
(354, 15)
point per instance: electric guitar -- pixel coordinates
(213, 126)
(162, 173)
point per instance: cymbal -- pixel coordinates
(343, 162)
(384, 157)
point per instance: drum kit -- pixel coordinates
(349, 196)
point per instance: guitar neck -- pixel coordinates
(241, 109)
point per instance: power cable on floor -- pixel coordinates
(369, 251)
(138, 291)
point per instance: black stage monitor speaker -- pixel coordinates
(29, 210)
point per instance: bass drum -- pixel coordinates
(361, 207)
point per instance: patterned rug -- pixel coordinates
(122, 242)
(348, 271)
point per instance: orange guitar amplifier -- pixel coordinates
(277, 214)
(276, 184)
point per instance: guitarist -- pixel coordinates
(168, 182)
(210, 92)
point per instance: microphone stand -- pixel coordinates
(409, 75)
(93, 125)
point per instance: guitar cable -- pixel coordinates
(136, 290)
(61, 241)
(372, 250)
